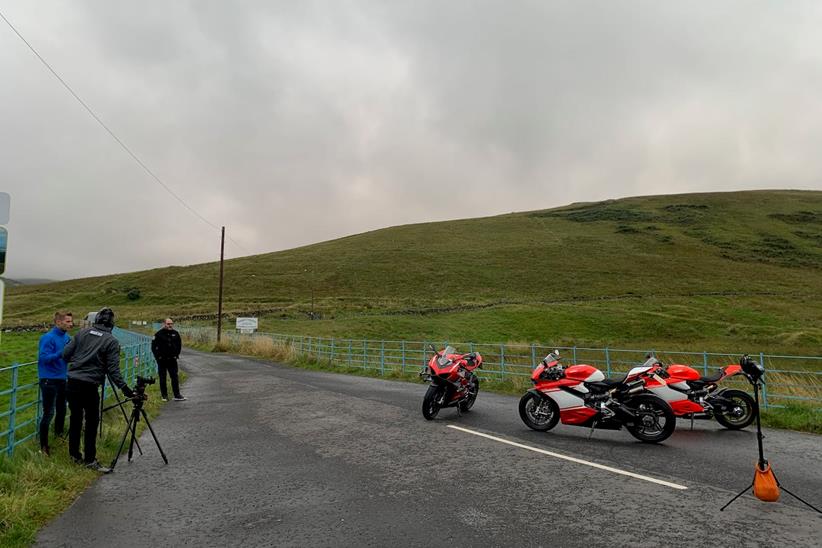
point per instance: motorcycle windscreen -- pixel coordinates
(443, 360)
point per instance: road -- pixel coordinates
(267, 455)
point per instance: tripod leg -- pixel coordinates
(102, 402)
(736, 497)
(133, 435)
(123, 411)
(806, 503)
(153, 435)
(123, 441)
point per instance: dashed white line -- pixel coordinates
(573, 459)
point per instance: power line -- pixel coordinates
(113, 136)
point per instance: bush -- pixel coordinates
(133, 294)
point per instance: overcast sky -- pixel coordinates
(296, 122)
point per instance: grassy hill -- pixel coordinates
(710, 271)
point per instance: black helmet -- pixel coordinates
(105, 317)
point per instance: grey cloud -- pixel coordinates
(295, 122)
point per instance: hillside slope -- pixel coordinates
(761, 245)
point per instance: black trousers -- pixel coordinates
(168, 365)
(84, 404)
(53, 396)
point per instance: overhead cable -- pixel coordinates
(114, 136)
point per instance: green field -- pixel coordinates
(18, 347)
(735, 272)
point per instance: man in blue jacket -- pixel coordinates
(52, 370)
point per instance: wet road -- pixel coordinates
(267, 455)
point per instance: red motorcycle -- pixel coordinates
(453, 382)
(693, 396)
(580, 395)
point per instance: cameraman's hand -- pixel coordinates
(128, 392)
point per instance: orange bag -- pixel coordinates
(765, 487)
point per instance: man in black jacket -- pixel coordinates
(166, 346)
(91, 356)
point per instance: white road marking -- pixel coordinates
(573, 459)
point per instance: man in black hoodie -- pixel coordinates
(91, 356)
(166, 346)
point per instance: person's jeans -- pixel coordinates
(168, 365)
(53, 396)
(84, 402)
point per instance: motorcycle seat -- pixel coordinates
(603, 385)
(713, 378)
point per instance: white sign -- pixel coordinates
(247, 324)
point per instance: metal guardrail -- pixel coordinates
(19, 382)
(787, 378)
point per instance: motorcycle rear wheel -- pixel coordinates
(473, 390)
(537, 413)
(745, 403)
(650, 411)
(430, 403)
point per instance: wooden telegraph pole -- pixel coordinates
(220, 299)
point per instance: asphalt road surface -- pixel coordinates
(267, 455)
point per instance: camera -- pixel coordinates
(144, 380)
(752, 370)
(140, 386)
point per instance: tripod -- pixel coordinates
(120, 405)
(131, 426)
(762, 465)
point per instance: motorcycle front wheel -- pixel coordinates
(430, 403)
(740, 414)
(537, 413)
(473, 390)
(655, 419)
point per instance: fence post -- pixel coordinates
(382, 358)
(575, 355)
(331, 359)
(764, 384)
(349, 353)
(402, 366)
(12, 407)
(608, 361)
(364, 354)
(705, 362)
(502, 361)
(533, 357)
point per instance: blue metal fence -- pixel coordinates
(787, 378)
(19, 383)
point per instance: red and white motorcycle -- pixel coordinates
(580, 395)
(694, 396)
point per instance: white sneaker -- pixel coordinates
(164, 399)
(180, 398)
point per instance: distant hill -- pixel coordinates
(677, 259)
(27, 281)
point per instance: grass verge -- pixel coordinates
(794, 417)
(34, 489)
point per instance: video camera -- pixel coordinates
(752, 370)
(142, 382)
